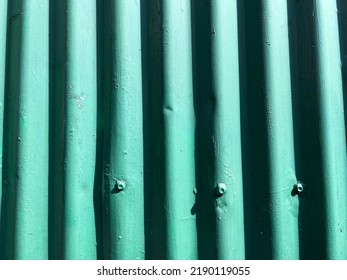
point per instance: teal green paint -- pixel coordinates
(320, 128)
(178, 128)
(271, 212)
(80, 130)
(29, 87)
(123, 147)
(226, 130)
(171, 132)
(283, 207)
(212, 155)
(3, 29)
(331, 127)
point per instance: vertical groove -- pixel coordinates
(321, 131)
(156, 132)
(342, 15)
(105, 105)
(148, 218)
(204, 148)
(13, 55)
(57, 78)
(100, 129)
(80, 130)
(257, 220)
(271, 210)
(311, 214)
(123, 163)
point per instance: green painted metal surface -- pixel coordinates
(123, 202)
(173, 129)
(320, 124)
(73, 129)
(25, 173)
(271, 209)
(172, 134)
(80, 129)
(218, 133)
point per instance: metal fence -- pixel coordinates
(173, 129)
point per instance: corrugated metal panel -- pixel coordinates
(173, 129)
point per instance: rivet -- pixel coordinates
(299, 187)
(120, 185)
(221, 189)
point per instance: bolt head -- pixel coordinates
(221, 189)
(299, 187)
(120, 185)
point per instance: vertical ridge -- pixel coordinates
(123, 163)
(80, 130)
(179, 125)
(271, 209)
(321, 131)
(332, 126)
(226, 131)
(31, 202)
(173, 129)
(3, 31)
(283, 203)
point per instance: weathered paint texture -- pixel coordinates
(123, 202)
(24, 215)
(173, 129)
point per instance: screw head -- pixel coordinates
(299, 187)
(120, 185)
(220, 189)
